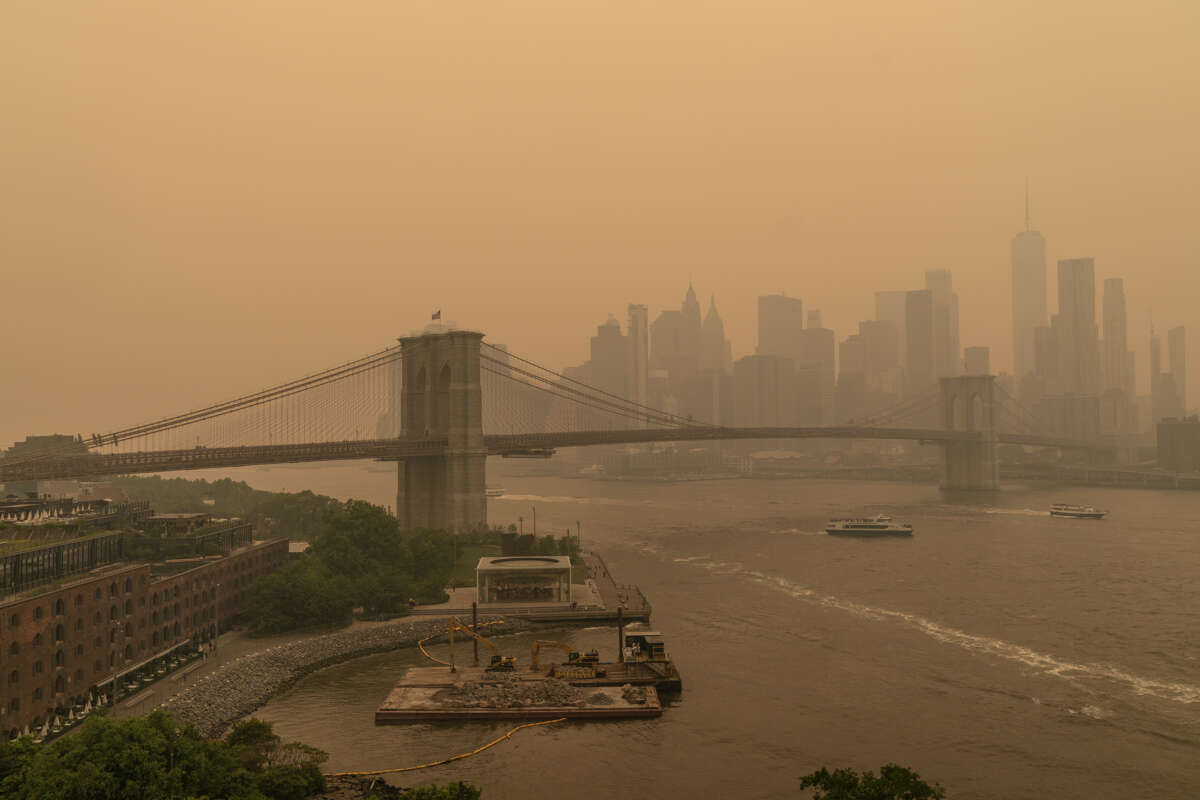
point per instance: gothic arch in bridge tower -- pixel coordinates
(968, 406)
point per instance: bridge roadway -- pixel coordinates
(99, 464)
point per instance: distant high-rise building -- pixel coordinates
(780, 323)
(818, 348)
(1115, 340)
(1177, 360)
(763, 391)
(1028, 257)
(609, 357)
(814, 318)
(918, 321)
(977, 361)
(891, 307)
(1076, 331)
(945, 323)
(666, 339)
(691, 324)
(714, 351)
(637, 363)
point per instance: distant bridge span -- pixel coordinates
(98, 464)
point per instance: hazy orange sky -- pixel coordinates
(205, 198)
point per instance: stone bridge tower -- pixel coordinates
(441, 398)
(968, 403)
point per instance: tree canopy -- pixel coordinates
(156, 756)
(361, 558)
(894, 782)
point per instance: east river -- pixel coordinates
(999, 651)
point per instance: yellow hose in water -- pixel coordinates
(458, 757)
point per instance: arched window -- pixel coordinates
(38, 694)
(37, 640)
(14, 620)
(96, 594)
(78, 600)
(154, 638)
(112, 589)
(97, 666)
(14, 648)
(60, 659)
(14, 705)
(60, 607)
(38, 667)
(176, 629)
(128, 652)
(78, 649)
(39, 612)
(60, 684)
(14, 677)
(128, 585)
(60, 632)
(128, 606)
(78, 625)
(98, 617)
(78, 674)
(113, 612)
(112, 636)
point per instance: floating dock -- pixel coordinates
(408, 703)
(661, 676)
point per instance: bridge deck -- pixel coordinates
(96, 464)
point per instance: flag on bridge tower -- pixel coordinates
(437, 314)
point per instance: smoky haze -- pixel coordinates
(201, 199)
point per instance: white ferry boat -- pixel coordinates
(879, 525)
(1078, 512)
(494, 491)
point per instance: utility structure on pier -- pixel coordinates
(441, 399)
(968, 403)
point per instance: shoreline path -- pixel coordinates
(237, 678)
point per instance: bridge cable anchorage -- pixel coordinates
(593, 389)
(573, 395)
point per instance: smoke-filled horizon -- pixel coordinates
(204, 201)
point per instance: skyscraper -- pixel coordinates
(638, 361)
(1177, 360)
(945, 323)
(977, 361)
(890, 307)
(691, 324)
(1115, 343)
(1075, 327)
(609, 356)
(918, 321)
(818, 349)
(714, 354)
(1028, 257)
(780, 323)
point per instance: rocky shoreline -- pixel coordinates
(240, 687)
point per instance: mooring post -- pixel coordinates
(475, 627)
(620, 635)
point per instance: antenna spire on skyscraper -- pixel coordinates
(1027, 205)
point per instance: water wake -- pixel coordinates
(1043, 662)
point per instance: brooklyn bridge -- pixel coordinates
(439, 403)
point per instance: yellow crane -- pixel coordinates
(498, 663)
(577, 666)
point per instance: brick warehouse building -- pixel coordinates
(61, 644)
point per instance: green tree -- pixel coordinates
(151, 757)
(893, 783)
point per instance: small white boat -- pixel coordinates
(879, 525)
(494, 491)
(1075, 511)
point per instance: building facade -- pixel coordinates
(61, 646)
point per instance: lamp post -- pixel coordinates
(534, 509)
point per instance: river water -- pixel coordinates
(999, 651)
